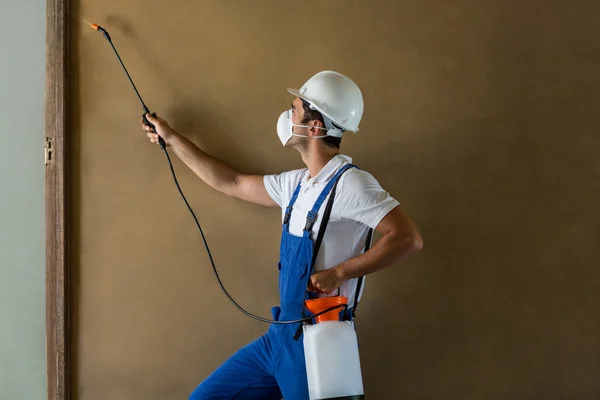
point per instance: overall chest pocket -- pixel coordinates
(292, 268)
(295, 255)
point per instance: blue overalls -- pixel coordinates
(273, 366)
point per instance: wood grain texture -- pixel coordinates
(56, 215)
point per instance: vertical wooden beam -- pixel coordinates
(57, 353)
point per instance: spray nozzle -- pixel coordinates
(101, 29)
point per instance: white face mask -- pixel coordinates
(285, 128)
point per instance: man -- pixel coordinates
(328, 104)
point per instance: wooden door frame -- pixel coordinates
(56, 185)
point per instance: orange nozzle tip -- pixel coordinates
(95, 26)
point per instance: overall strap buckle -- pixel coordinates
(310, 221)
(288, 210)
(288, 214)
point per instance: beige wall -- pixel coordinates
(481, 117)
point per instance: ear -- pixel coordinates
(314, 128)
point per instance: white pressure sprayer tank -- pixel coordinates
(331, 353)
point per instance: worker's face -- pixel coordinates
(297, 117)
(298, 142)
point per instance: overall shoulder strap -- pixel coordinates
(313, 213)
(327, 212)
(290, 207)
(360, 280)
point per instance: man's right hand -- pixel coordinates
(162, 128)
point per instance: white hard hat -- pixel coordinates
(335, 96)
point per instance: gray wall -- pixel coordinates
(22, 291)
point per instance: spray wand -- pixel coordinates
(163, 147)
(161, 141)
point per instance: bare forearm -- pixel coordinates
(400, 239)
(212, 171)
(389, 249)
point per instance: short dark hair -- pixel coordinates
(311, 115)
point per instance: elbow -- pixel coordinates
(412, 242)
(408, 243)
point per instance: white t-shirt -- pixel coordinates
(360, 203)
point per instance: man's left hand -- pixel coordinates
(325, 281)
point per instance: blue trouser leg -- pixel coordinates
(290, 371)
(247, 375)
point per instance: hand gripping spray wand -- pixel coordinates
(163, 147)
